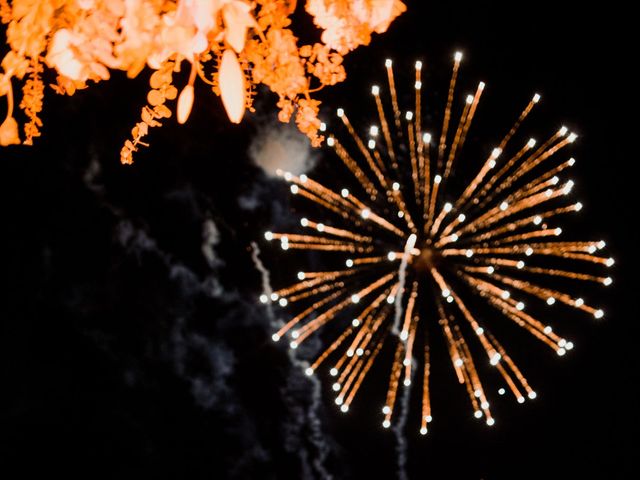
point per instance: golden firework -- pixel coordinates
(411, 252)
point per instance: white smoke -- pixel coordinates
(281, 146)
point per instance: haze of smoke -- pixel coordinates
(280, 146)
(295, 380)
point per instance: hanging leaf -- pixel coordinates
(232, 90)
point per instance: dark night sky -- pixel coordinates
(125, 353)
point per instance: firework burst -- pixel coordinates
(412, 256)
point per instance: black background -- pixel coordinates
(124, 354)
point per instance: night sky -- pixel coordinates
(132, 343)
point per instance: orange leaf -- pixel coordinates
(9, 132)
(232, 90)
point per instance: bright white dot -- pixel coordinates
(479, 331)
(309, 371)
(349, 353)
(579, 302)
(426, 138)
(418, 65)
(554, 180)
(578, 206)
(268, 236)
(572, 138)
(395, 186)
(359, 352)
(592, 249)
(365, 213)
(406, 362)
(404, 335)
(284, 245)
(558, 231)
(335, 387)
(520, 264)
(528, 252)
(447, 207)
(288, 176)
(537, 220)
(449, 299)
(320, 227)
(423, 430)
(505, 294)
(561, 352)
(532, 395)
(373, 131)
(418, 85)
(484, 405)
(461, 217)
(562, 342)
(264, 298)
(495, 359)
(349, 263)
(407, 382)
(386, 409)
(610, 262)
(477, 393)
(437, 179)
(304, 222)
(601, 244)
(496, 152)
(502, 391)
(293, 345)
(339, 400)
(563, 131)
(569, 346)
(303, 178)
(274, 297)
(331, 141)
(520, 399)
(572, 162)
(481, 85)
(492, 163)
(333, 372)
(469, 99)
(458, 56)
(340, 112)
(388, 63)
(454, 237)
(477, 414)
(504, 206)
(408, 116)
(490, 422)
(375, 90)
(301, 276)
(323, 126)
(458, 362)
(547, 330)
(446, 292)
(283, 302)
(386, 424)
(490, 270)
(607, 281)
(275, 337)
(355, 298)
(469, 253)
(531, 143)
(344, 408)
(567, 188)
(536, 98)
(391, 256)
(598, 314)
(520, 306)
(344, 192)
(371, 144)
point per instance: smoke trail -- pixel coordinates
(398, 431)
(402, 275)
(312, 420)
